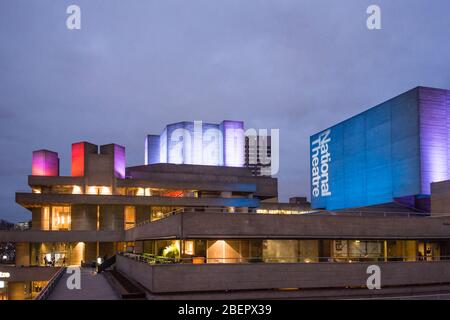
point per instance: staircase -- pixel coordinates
(106, 264)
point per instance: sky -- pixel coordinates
(134, 66)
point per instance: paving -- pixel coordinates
(93, 287)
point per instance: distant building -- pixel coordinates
(258, 152)
(5, 225)
(25, 225)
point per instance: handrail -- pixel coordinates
(45, 293)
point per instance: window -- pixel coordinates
(61, 218)
(103, 190)
(130, 217)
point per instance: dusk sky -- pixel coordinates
(299, 66)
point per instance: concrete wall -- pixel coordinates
(164, 228)
(143, 213)
(84, 217)
(60, 236)
(107, 248)
(111, 217)
(90, 251)
(221, 277)
(29, 273)
(375, 156)
(28, 199)
(434, 108)
(240, 225)
(440, 198)
(77, 253)
(22, 254)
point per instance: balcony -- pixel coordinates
(60, 236)
(27, 199)
(197, 278)
(211, 225)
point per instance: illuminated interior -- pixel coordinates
(98, 190)
(130, 217)
(61, 219)
(77, 190)
(162, 212)
(156, 192)
(282, 211)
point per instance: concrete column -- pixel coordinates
(90, 251)
(22, 254)
(143, 213)
(84, 217)
(111, 217)
(40, 218)
(36, 218)
(106, 248)
(77, 253)
(138, 246)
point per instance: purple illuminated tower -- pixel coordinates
(434, 115)
(118, 153)
(45, 163)
(119, 161)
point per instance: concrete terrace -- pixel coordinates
(93, 287)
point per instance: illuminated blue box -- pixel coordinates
(198, 143)
(393, 150)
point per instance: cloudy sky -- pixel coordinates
(299, 66)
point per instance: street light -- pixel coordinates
(5, 257)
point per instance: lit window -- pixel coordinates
(140, 192)
(189, 247)
(92, 190)
(130, 217)
(99, 190)
(105, 190)
(77, 190)
(61, 218)
(36, 190)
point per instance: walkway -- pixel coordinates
(93, 287)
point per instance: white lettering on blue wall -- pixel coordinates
(320, 160)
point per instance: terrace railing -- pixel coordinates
(47, 291)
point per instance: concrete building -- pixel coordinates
(258, 153)
(216, 231)
(391, 152)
